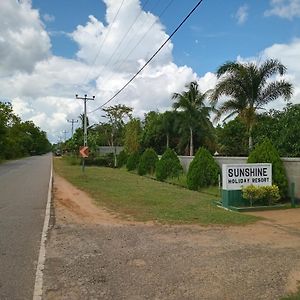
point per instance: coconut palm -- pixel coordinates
(191, 102)
(249, 87)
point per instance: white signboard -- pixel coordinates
(235, 176)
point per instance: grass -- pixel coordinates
(144, 199)
(295, 296)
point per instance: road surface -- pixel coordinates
(23, 197)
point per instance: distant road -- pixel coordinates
(23, 197)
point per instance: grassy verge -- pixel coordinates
(144, 199)
(295, 296)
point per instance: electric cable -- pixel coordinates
(150, 59)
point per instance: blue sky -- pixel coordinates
(211, 36)
(53, 49)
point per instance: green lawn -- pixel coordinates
(145, 199)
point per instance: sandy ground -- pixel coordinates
(91, 254)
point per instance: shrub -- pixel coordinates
(122, 159)
(106, 160)
(72, 160)
(203, 170)
(252, 193)
(133, 161)
(266, 153)
(147, 162)
(168, 166)
(270, 194)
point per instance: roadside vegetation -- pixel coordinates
(143, 199)
(19, 139)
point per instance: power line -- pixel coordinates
(140, 40)
(106, 36)
(150, 59)
(122, 40)
(73, 121)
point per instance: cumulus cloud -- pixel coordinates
(289, 55)
(42, 86)
(242, 14)
(23, 39)
(287, 9)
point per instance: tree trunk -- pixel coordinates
(191, 142)
(250, 139)
(168, 138)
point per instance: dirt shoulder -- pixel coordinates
(92, 254)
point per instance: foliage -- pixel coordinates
(282, 128)
(147, 162)
(19, 138)
(252, 193)
(133, 161)
(143, 199)
(249, 89)
(106, 160)
(203, 170)
(168, 166)
(116, 115)
(255, 193)
(232, 138)
(122, 159)
(133, 131)
(265, 152)
(192, 104)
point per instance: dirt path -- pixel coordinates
(91, 254)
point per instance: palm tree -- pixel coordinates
(191, 102)
(250, 88)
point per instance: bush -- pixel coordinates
(266, 153)
(168, 166)
(269, 194)
(133, 161)
(106, 160)
(122, 159)
(203, 170)
(252, 193)
(147, 162)
(72, 160)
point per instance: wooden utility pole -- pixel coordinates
(85, 99)
(72, 121)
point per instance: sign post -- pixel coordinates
(84, 153)
(236, 176)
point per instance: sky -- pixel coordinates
(51, 50)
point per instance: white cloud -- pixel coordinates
(289, 55)
(43, 87)
(23, 39)
(48, 18)
(287, 9)
(242, 14)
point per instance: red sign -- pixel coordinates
(84, 151)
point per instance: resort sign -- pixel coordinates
(235, 176)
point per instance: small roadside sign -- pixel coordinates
(84, 151)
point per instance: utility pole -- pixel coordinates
(85, 99)
(65, 135)
(72, 121)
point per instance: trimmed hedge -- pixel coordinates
(147, 162)
(122, 159)
(168, 166)
(203, 170)
(106, 160)
(133, 161)
(265, 152)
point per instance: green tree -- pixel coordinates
(116, 115)
(267, 153)
(132, 136)
(192, 104)
(250, 88)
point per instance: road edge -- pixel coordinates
(38, 285)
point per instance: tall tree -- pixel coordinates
(249, 88)
(116, 115)
(133, 131)
(192, 104)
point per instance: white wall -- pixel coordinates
(291, 165)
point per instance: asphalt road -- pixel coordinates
(23, 197)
